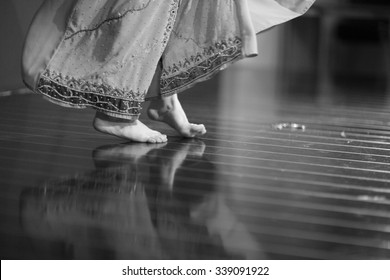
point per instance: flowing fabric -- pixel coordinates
(104, 53)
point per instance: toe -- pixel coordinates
(202, 129)
(163, 138)
(198, 129)
(151, 140)
(158, 138)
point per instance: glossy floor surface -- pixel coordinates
(287, 170)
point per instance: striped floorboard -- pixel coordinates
(245, 190)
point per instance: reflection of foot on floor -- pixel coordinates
(193, 147)
(170, 111)
(135, 131)
(173, 156)
(128, 152)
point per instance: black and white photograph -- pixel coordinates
(195, 130)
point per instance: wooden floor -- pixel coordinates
(287, 170)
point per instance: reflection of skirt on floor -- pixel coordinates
(103, 54)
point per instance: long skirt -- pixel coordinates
(104, 53)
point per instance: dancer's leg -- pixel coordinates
(169, 110)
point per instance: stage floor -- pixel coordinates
(287, 170)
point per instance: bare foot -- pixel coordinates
(135, 131)
(170, 111)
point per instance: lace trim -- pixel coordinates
(70, 92)
(199, 67)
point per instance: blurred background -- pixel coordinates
(296, 158)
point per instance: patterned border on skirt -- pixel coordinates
(181, 76)
(70, 92)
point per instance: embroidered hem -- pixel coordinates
(70, 92)
(207, 64)
(77, 94)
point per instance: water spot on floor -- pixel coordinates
(289, 126)
(372, 198)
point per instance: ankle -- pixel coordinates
(162, 106)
